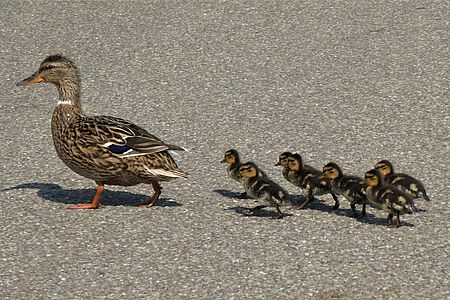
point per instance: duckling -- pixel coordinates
(283, 162)
(266, 191)
(108, 150)
(309, 180)
(388, 197)
(234, 163)
(403, 182)
(353, 188)
(232, 159)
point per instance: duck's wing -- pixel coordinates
(121, 137)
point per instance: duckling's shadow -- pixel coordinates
(55, 193)
(268, 212)
(347, 212)
(368, 218)
(230, 194)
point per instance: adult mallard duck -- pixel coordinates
(108, 150)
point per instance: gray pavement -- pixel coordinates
(347, 81)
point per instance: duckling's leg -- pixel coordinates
(336, 200)
(280, 214)
(155, 196)
(353, 207)
(95, 202)
(389, 220)
(308, 200)
(398, 224)
(363, 210)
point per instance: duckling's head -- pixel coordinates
(248, 170)
(55, 69)
(373, 178)
(283, 159)
(331, 170)
(231, 157)
(385, 168)
(295, 162)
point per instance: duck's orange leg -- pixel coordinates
(155, 196)
(95, 202)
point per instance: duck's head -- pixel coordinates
(283, 159)
(248, 170)
(385, 168)
(373, 178)
(55, 69)
(295, 162)
(231, 157)
(331, 170)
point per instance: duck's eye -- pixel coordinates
(49, 67)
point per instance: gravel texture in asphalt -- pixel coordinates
(352, 82)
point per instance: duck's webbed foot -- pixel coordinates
(95, 201)
(155, 196)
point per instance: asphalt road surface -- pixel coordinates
(349, 81)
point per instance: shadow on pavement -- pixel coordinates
(53, 192)
(230, 194)
(268, 212)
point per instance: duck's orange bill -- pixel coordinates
(31, 80)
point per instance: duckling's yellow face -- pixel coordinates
(247, 171)
(383, 168)
(371, 179)
(330, 172)
(293, 164)
(229, 158)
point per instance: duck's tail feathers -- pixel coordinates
(167, 174)
(176, 148)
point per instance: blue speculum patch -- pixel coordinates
(118, 149)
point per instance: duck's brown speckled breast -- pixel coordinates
(86, 159)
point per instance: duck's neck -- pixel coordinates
(68, 109)
(69, 93)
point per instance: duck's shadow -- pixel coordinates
(55, 193)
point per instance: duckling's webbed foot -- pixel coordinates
(155, 196)
(252, 211)
(389, 222)
(95, 201)
(280, 214)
